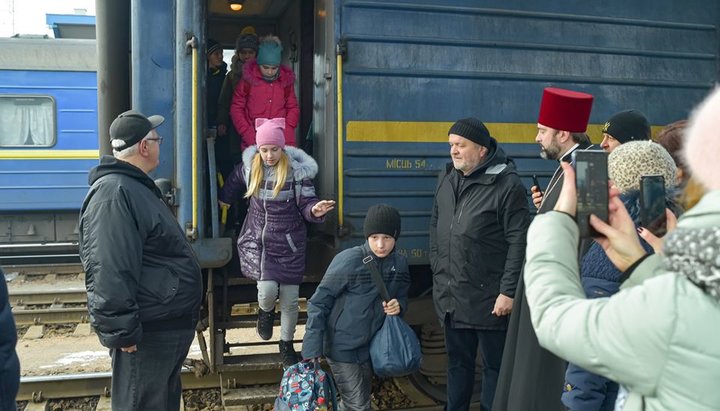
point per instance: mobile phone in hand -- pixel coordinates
(536, 183)
(652, 204)
(591, 182)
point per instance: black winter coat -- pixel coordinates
(477, 240)
(141, 273)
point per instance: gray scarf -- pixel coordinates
(695, 254)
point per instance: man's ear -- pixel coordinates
(564, 136)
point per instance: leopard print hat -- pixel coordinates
(628, 162)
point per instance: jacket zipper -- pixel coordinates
(262, 233)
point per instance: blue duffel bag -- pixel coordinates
(394, 349)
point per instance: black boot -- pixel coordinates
(265, 322)
(288, 354)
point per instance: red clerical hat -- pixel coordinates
(565, 110)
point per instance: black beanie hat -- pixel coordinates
(628, 125)
(212, 45)
(473, 130)
(382, 219)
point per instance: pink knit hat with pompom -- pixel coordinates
(702, 147)
(270, 132)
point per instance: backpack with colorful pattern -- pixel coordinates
(306, 387)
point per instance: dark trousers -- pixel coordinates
(462, 347)
(353, 382)
(149, 378)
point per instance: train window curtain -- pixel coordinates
(26, 121)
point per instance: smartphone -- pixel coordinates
(536, 183)
(591, 182)
(652, 204)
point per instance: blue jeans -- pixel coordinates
(462, 347)
(149, 378)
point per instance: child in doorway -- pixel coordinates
(266, 90)
(272, 242)
(246, 48)
(346, 309)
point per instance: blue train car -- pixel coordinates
(379, 84)
(48, 138)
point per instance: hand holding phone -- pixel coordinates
(536, 183)
(652, 204)
(591, 184)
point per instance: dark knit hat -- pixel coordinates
(382, 219)
(130, 127)
(247, 41)
(473, 130)
(212, 45)
(628, 125)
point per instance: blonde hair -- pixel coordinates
(256, 174)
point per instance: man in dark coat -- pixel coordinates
(531, 377)
(142, 277)
(477, 246)
(9, 364)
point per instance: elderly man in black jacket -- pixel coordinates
(477, 245)
(143, 280)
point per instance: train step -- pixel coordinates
(237, 398)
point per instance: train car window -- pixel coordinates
(27, 121)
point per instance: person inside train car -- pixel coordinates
(583, 390)
(672, 137)
(346, 309)
(266, 90)
(9, 363)
(246, 48)
(624, 126)
(531, 377)
(478, 226)
(658, 335)
(272, 242)
(143, 280)
(216, 70)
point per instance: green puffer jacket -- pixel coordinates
(660, 339)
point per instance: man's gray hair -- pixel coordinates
(128, 152)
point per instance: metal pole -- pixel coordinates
(113, 68)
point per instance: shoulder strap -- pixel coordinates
(369, 261)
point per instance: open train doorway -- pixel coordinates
(292, 22)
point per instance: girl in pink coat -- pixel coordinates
(265, 91)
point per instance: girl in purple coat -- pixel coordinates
(271, 245)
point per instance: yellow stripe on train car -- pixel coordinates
(436, 131)
(49, 154)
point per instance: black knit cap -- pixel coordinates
(473, 130)
(628, 125)
(212, 45)
(246, 41)
(382, 219)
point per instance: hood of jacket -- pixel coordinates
(111, 165)
(303, 165)
(495, 163)
(251, 74)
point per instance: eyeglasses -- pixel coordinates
(158, 139)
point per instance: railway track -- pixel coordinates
(49, 306)
(253, 388)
